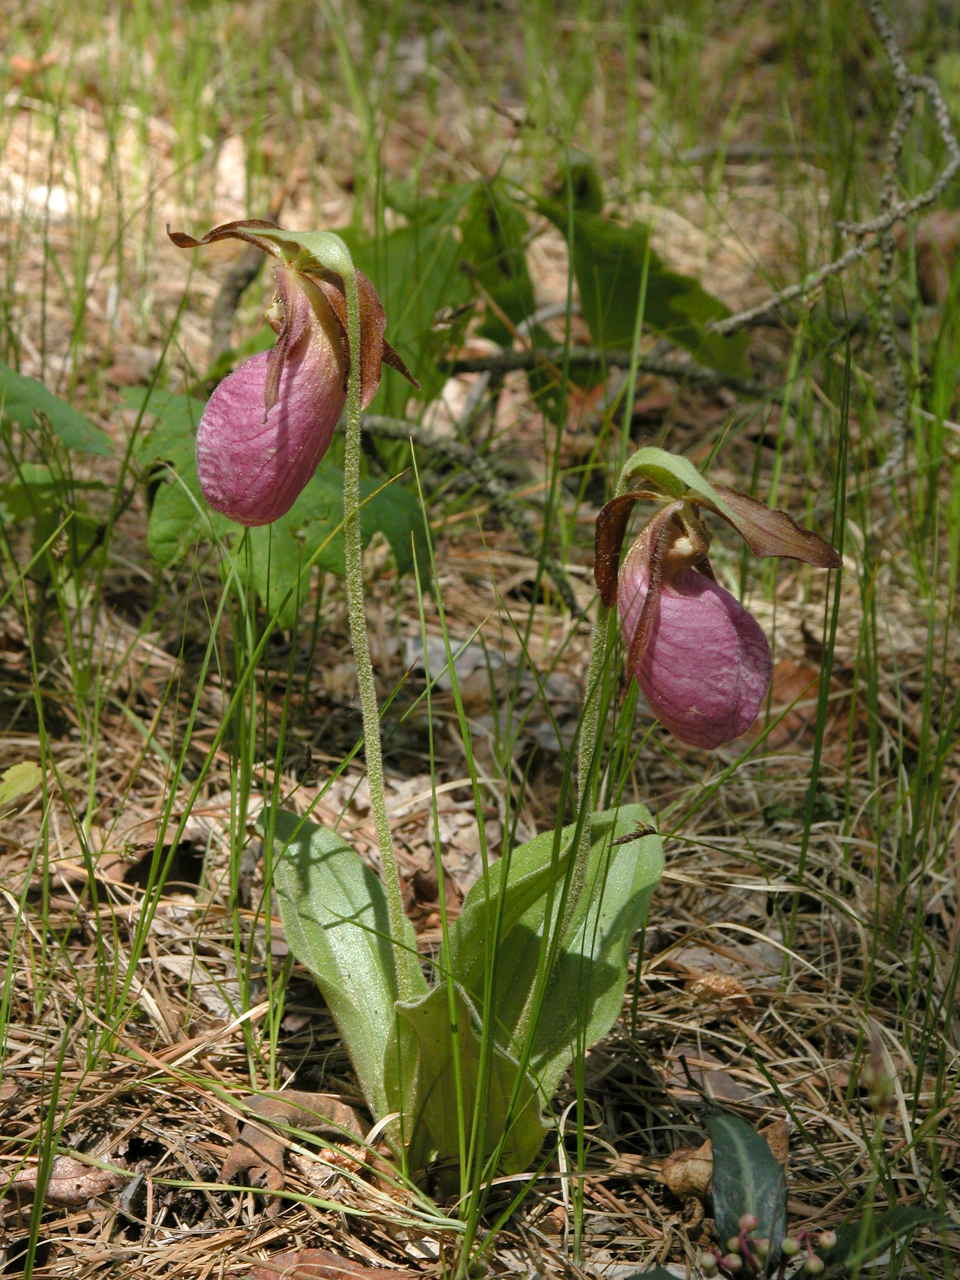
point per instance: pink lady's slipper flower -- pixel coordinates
(700, 658)
(269, 423)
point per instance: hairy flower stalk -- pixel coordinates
(406, 963)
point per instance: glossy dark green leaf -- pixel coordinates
(657, 1273)
(434, 1076)
(861, 1239)
(21, 398)
(334, 913)
(747, 1178)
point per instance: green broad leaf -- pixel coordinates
(674, 473)
(172, 438)
(22, 397)
(611, 263)
(433, 1071)
(863, 1238)
(334, 914)
(747, 1178)
(311, 535)
(497, 902)
(179, 516)
(18, 781)
(418, 276)
(37, 491)
(584, 990)
(406, 196)
(581, 177)
(64, 534)
(493, 249)
(493, 246)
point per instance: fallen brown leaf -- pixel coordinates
(712, 986)
(687, 1172)
(777, 1137)
(257, 1152)
(71, 1182)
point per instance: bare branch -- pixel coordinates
(876, 232)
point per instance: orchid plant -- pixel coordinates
(460, 1069)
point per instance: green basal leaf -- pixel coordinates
(36, 491)
(172, 438)
(493, 237)
(581, 176)
(311, 535)
(585, 988)
(335, 918)
(64, 533)
(433, 1072)
(21, 398)
(747, 1178)
(179, 518)
(407, 197)
(493, 250)
(18, 781)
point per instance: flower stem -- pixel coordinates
(587, 760)
(405, 963)
(586, 775)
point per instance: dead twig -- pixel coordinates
(694, 374)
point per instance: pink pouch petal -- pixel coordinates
(706, 666)
(254, 460)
